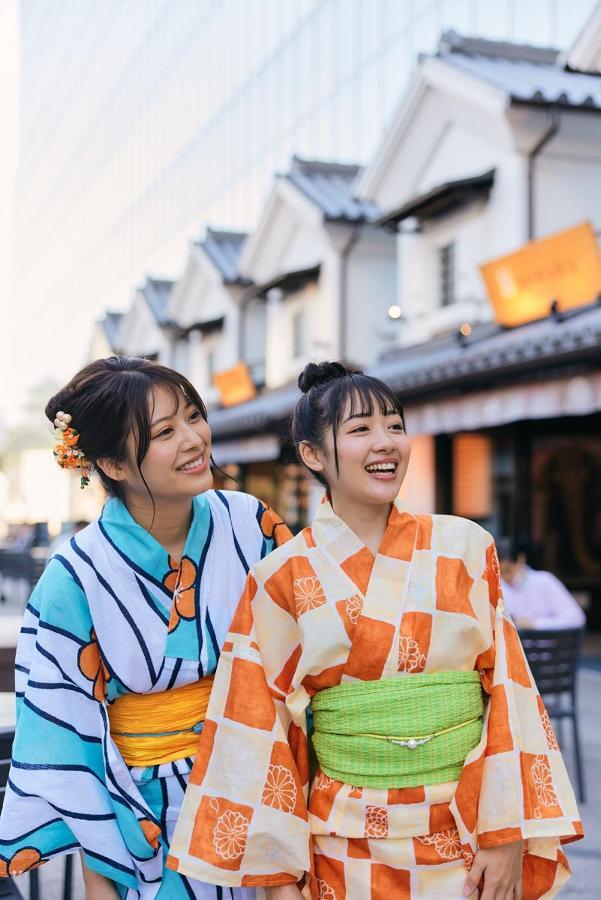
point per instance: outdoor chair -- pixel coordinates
(8, 888)
(553, 657)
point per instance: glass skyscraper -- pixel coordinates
(144, 120)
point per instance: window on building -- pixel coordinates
(446, 257)
(298, 335)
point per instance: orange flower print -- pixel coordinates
(308, 594)
(151, 832)
(325, 891)
(543, 785)
(25, 859)
(446, 843)
(92, 666)
(280, 789)
(549, 733)
(272, 527)
(322, 782)
(230, 833)
(181, 581)
(376, 822)
(411, 659)
(354, 607)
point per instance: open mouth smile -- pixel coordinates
(194, 466)
(382, 470)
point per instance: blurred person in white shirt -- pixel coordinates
(533, 598)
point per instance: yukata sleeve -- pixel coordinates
(273, 528)
(59, 796)
(244, 818)
(514, 784)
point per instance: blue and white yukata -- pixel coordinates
(114, 585)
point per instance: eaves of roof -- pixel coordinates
(205, 327)
(442, 199)
(286, 282)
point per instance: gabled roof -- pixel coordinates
(442, 199)
(526, 74)
(585, 53)
(157, 291)
(223, 249)
(329, 186)
(110, 325)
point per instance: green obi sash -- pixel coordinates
(399, 732)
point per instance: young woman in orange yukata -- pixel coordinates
(437, 773)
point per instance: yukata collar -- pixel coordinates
(329, 529)
(136, 544)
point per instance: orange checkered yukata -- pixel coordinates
(320, 611)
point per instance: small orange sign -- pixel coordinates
(235, 385)
(565, 267)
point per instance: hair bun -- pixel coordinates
(320, 373)
(60, 401)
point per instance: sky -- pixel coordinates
(8, 162)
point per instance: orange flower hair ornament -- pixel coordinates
(67, 454)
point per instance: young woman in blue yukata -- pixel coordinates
(121, 635)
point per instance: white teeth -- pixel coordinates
(381, 467)
(193, 464)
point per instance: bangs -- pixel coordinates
(363, 395)
(141, 403)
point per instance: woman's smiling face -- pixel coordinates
(373, 455)
(177, 463)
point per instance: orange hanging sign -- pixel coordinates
(235, 385)
(565, 267)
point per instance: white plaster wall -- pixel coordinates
(567, 192)
(371, 290)
(254, 318)
(288, 244)
(446, 139)
(281, 365)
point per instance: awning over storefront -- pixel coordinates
(576, 396)
(489, 359)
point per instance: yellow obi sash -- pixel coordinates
(150, 729)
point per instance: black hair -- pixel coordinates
(326, 388)
(108, 399)
(509, 548)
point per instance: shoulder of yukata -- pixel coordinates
(472, 529)
(272, 526)
(58, 600)
(274, 573)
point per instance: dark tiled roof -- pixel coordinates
(423, 371)
(224, 248)
(493, 351)
(526, 74)
(110, 325)
(157, 292)
(330, 187)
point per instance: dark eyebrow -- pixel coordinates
(366, 415)
(162, 419)
(359, 415)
